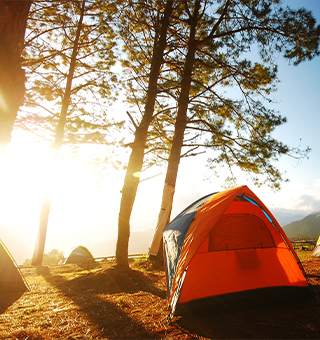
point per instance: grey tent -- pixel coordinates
(78, 254)
(10, 277)
(316, 250)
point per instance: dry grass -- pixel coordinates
(70, 302)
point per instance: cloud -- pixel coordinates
(303, 205)
(308, 203)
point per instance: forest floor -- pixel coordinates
(71, 302)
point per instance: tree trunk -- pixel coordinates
(46, 204)
(178, 137)
(13, 21)
(163, 219)
(135, 163)
(42, 232)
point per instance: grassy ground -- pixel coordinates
(70, 302)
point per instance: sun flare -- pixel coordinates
(27, 177)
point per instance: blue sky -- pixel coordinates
(298, 99)
(88, 214)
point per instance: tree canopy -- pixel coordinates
(50, 47)
(228, 105)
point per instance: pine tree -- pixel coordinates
(239, 130)
(70, 54)
(49, 48)
(135, 163)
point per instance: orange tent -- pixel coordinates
(226, 243)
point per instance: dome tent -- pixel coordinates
(228, 244)
(78, 254)
(10, 278)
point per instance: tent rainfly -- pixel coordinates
(229, 245)
(78, 254)
(10, 278)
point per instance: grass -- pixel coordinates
(70, 302)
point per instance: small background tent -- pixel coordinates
(316, 250)
(77, 254)
(10, 277)
(226, 244)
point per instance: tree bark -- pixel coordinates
(46, 204)
(163, 220)
(180, 126)
(135, 163)
(13, 22)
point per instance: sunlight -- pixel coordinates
(85, 198)
(28, 175)
(21, 188)
(3, 105)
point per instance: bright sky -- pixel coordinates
(85, 208)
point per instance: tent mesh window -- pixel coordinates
(240, 231)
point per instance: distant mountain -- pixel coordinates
(307, 227)
(286, 216)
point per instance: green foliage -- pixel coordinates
(50, 44)
(51, 258)
(234, 74)
(229, 111)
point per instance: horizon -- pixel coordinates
(98, 248)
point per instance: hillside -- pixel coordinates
(307, 227)
(69, 302)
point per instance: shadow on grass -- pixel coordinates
(270, 321)
(7, 299)
(117, 280)
(108, 316)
